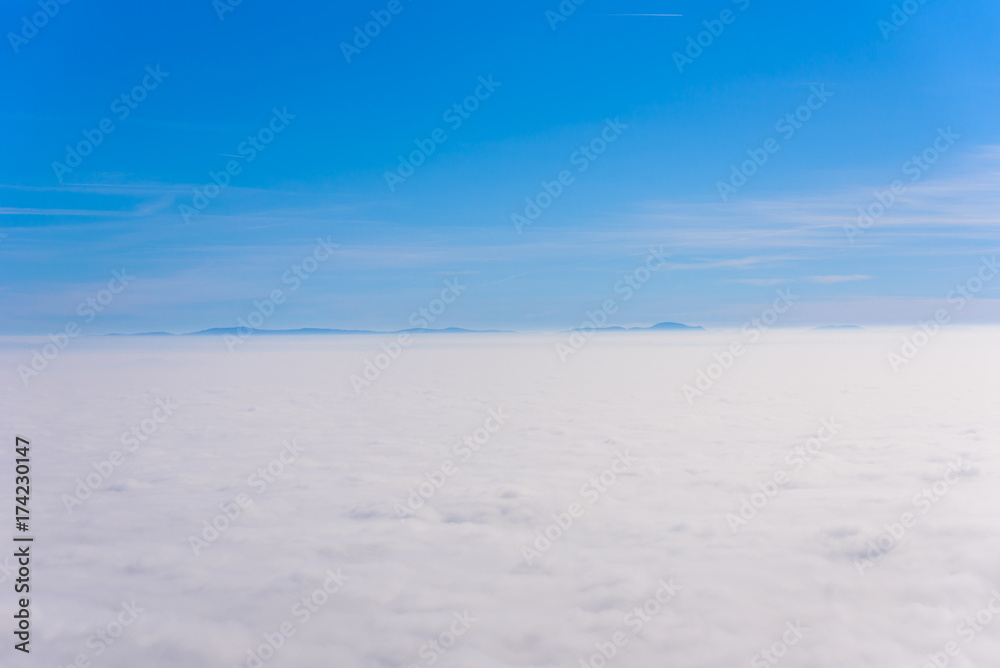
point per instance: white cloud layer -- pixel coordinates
(457, 565)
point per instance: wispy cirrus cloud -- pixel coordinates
(840, 279)
(760, 282)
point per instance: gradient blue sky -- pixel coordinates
(656, 185)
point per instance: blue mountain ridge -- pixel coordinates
(310, 331)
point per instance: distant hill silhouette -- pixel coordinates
(318, 331)
(660, 326)
(307, 331)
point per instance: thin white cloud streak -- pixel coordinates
(839, 279)
(964, 204)
(34, 211)
(760, 282)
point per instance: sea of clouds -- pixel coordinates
(484, 503)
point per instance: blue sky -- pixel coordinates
(887, 94)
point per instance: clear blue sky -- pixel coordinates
(886, 91)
